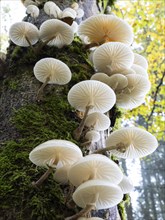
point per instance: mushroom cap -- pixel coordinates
(60, 33)
(92, 93)
(100, 28)
(20, 30)
(139, 143)
(118, 81)
(33, 11)
(127, 71)
(26, 3)
(58, 71)
(80, 13)
(126, 101)
(2, 56)
(102, 77)
(126, 185)
(68, 12)
(108, 195)
(92, 136)
(137, 85)
(74, 27)
(55, 150)
(61, 174)
(139, 70)
(94, 166)
(98, 121)
(75, 5)
(140, 60)
(113, 57)
(52, 9)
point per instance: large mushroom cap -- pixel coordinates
(51, 152)
(92, 93)
(98, 121)
(140, 60)
(94, 166)
(100, 193)
(20, 31)
(33, 11)
(137, 142)
(126, 185)
(113, 57)
(57, 71)
(56, 32)
(104, 28)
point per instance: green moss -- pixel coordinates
(122, 206)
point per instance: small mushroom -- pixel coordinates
(130, 142)
(106, 28)
(51, 71)
(26, 3)
(61, 174)
(140, 60)
(113, 57)
(102, 77)
(98, 121)
(50, 153)
(94, 166)
(90, 96)
(24, 34)
(126, 185)
(52, 9)
(68, 12)
(118, 82)
(33, 11)
(54, 32)
(91, 137)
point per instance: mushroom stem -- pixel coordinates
(83, 212)
(77, 133)
(43, 177)
(85, 143)
(103, 150)
(44, 44)
(40, 91)
(31, 46)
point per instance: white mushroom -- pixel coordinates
(90, 96)
(52, 9)
(54, 32)
(126, 185)
(113, 57)
(102, 77)
(94, 166)
(61, 174)
(106, 28)
(118, 82)
(131, 142)
(26, 3)
(68, 12)
(51, 71)
(50, 153)
(91, 137)
(24, 34)
(33, 11)
(140, 60)
(98, 121)
(139, 70)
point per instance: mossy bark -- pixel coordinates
(25, 123)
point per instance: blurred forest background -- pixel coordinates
(148, 21)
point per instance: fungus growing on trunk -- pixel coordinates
(33, 11)
(94, 166)
(126, 185)
(106, 28)
(130, 142)
(50, 153)
(51, 71)
(96, 194)
(113, 57)
(57, 33)
(91, 137)
(24, 34)
(52, 9)
(90, 96)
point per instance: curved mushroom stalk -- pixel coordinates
(83, 212)
(43, 177)
(121, 147)
(42, 44)
(31, 46)
(77, 133)
(40, 91)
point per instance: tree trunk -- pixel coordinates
(25, 123)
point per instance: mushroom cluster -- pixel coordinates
(120, 79)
